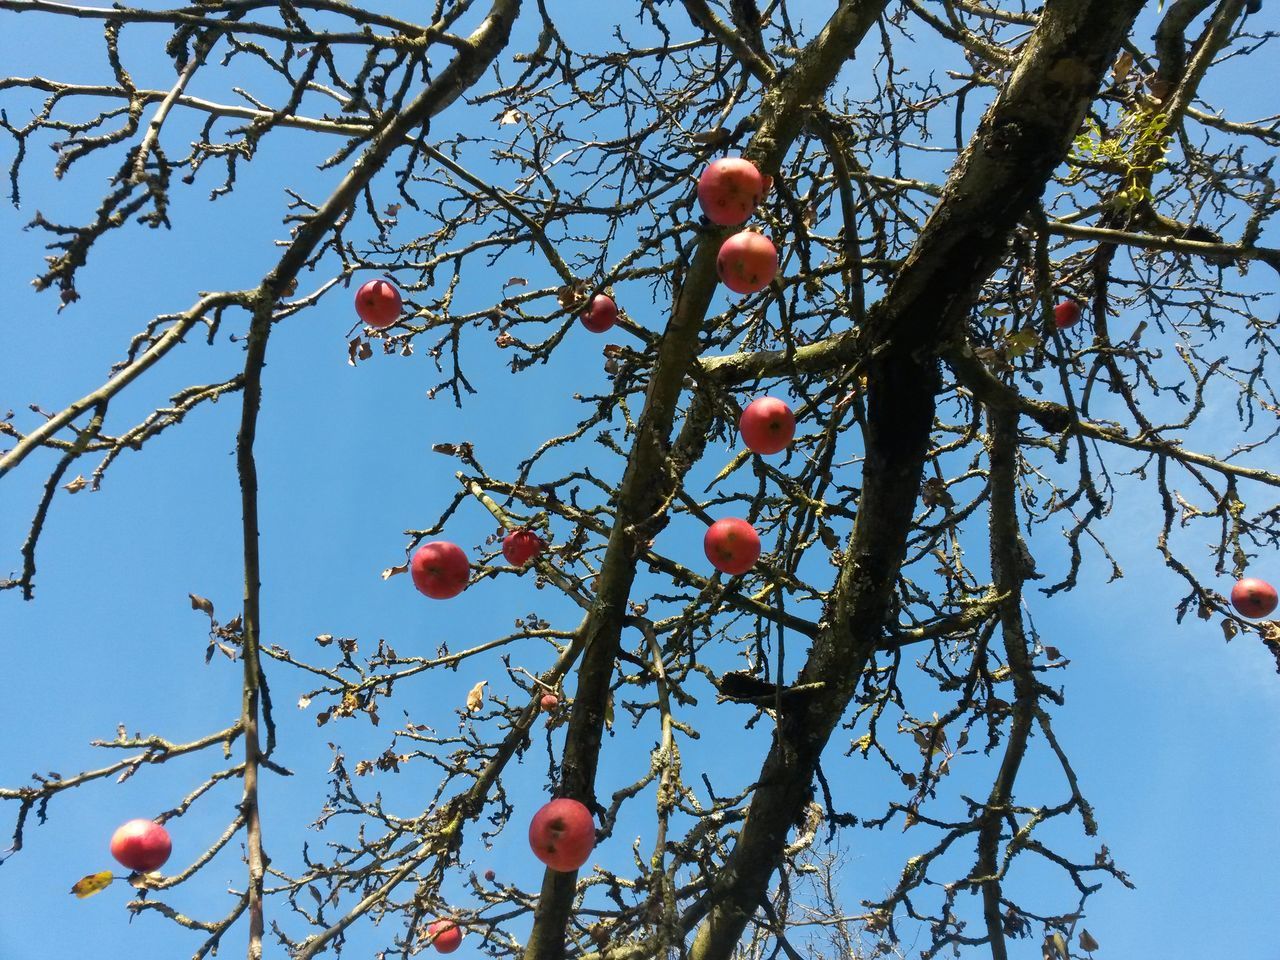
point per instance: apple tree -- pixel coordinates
(1004, 271)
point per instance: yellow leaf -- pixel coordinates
(93, 883)
(475, 699)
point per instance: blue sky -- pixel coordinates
(1172, 731)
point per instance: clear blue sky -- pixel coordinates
(1173, 732)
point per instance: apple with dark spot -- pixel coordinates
(732, 545)
(747, 262)
(1253, 598)
(767, 425)
(562, 834)
(729, 191)
(440, 569)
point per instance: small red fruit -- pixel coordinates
(521, 546)
(1254, 598)
(729, 190)
(767, 425)
(601, 314)
(378, 303)
(141, 845)
(440, 569)
(549, 702)
(732, 545)
(446, 935)
(490, 875)
(747, 262)
(563, 834)
(1066, 314)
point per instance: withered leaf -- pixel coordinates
(1229, 629)
(475, 698)
(510, 115)
(390, 572)
(304, 702)
(93, 883)
(76, 485)
(1019, 343)
(1087, 943)
(714, 135)
(934, 493)
(201, 604)
(515, 282)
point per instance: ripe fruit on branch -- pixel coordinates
(521, 546)
(440, 569)
(141, 845)
(732, 545)
(601, 314)
(729, 190)
(447, 935)
(747, 262)
(378, 303)
(767, 425)
(549, 702)
(1066, 314)
(1254, 598)
(563, 834)
(490, 875)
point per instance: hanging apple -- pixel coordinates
(563, 834)
(747, 262)
(729, 191)
(732, 545)
(141, 845)
(440, 569)
(601, 313)
(1066, 314)
(767, 425)
(521, 546)
(1253, 598)
(378, 303)
(445, 934)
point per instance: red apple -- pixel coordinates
(378, 303)
(440, 569)
(1066, 314)
(1253, 597)
(141, 845)
(521, 546)
(601, 314)
(549, 702)
(767, 425)
(490, 875)
(563, 834)
(729, 190)
(732, 545)
(747, 262)
(445, 934)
